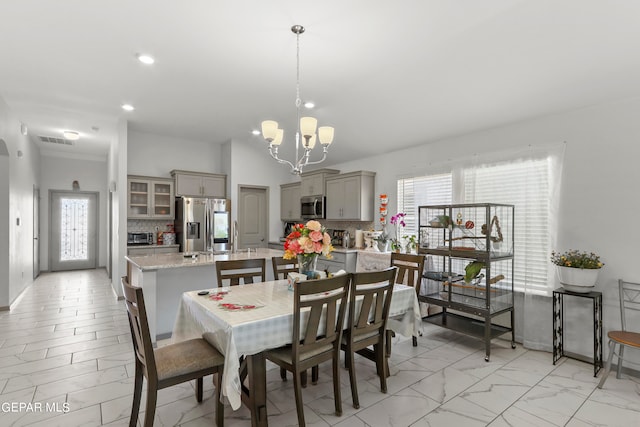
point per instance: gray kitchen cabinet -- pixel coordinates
(149, 197)
(340, 261)
(312, 183)
(350, 196)
(152, 250)
(197, 184)
(290, 202)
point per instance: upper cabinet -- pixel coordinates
(290, 202)
(350, 196)
(312, 183)
(196, 184)
(149, 198)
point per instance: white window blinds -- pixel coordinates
(423, 190)
(524, 184)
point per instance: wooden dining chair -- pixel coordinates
(629, 302)
(410, 269)
(282, 267)
(369, 302)
(246, 270)
(169, 365)
(318, 319)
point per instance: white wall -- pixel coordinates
(24, 174)
(156, 155)
(58, 174)
(247, 163)
(599, 194)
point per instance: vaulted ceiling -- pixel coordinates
(385, 74)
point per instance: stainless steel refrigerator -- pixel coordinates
(203, 225)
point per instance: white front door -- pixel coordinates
(73, 231)
(253, 217)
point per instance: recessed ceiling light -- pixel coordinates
(71, 135)
(127, 107)
(145, 59)
(309, 104)
(255, 132)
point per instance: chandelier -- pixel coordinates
(306, 127)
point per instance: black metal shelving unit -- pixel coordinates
(477, 238)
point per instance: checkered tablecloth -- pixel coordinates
(238, 333)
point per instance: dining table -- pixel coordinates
(245, 320)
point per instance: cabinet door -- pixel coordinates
(295, 203)
(335, 199)
(214, 187)
(162, 199)
(290, 203)
(312, 185)
(138, 198)
(189, 185)
(351, 192)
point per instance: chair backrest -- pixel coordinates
(325, 302)
(372, 292)
(282, 267)
(629, 299)
(245, 269)
(141, 338)
(410, 267)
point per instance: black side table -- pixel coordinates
(558, 327)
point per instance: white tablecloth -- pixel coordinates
(245, 332)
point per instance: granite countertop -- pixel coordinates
(178, 260)
(153, 246)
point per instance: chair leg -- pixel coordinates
(415, 341)
(297, 388)
(336, 382)
(314, 375)
(137, 394)
(390, 334)
(150, 410)
(283, 374)
(199, 389)
(381, 361)
(607, 367)
(219, 404)
(620, 357)
(303, 378)
(350, 361)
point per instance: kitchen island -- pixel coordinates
(165, 277)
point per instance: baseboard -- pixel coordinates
(5, 308)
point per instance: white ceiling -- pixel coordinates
(385, 74)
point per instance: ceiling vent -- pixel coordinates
(55, 140)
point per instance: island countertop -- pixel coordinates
(178, 260)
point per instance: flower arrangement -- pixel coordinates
(398, 221)
(308, 240)
(577, 259)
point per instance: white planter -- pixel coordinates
(581, 280)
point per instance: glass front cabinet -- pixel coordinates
(469, 268)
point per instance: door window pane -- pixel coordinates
(74, 229)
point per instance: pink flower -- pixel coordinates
(314, 225)
(316, 236)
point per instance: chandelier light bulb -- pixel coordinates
(269, 130)
(325, 134)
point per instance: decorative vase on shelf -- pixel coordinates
(307, 264)
(580, 280)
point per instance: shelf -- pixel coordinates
(473, 304)
(465, 325)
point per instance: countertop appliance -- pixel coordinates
(312, 207)
(134, 239)
(203, 224)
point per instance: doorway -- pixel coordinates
(253, 217)
(36, 232)
(73, 230)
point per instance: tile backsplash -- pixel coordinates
(147, 226)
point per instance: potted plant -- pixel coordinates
(577, 270)
(412, 243)
(397, 221)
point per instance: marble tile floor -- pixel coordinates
(66, 357)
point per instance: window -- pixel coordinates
(524, 183)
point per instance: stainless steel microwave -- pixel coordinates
(312, 207)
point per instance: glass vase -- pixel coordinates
(307, 265)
